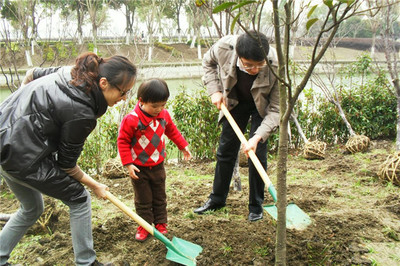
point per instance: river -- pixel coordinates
(188, 76)
(177, 76)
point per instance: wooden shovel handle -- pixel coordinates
(130, 213)
(243, 140)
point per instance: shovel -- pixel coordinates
(295, 217)
(179, 250)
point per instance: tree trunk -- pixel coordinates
(79, 14)
(343, 116)
(192, 45)
(28, 57)
(128, 28)
(373, 45)
(199, 51)
(237, 183)
(299, 129)
(397, 87)
(280, 245)
(94, 32)
(280, 251)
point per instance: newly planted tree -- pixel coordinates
(335, 13)
(356, 143)
(312, 149)
(390, 170)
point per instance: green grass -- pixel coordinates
(19, 253)
(7, 195)
(262, 251)
(226, 249)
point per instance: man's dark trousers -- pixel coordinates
(227, 153)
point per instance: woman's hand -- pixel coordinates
(186, 154)
(131, 169)
(99, 190)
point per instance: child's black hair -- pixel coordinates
(153, 91)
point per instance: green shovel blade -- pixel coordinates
(296, 218)
(189, 249)
(179, 250)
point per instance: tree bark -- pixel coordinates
(237, 183)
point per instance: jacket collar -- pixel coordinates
(145, 118)
(100, 102)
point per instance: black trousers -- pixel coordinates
(229, 145)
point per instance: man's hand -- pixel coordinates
(251, 145)
(216, 99)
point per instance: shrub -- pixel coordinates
(370, 109)
(100, 145)
(203, 43)
(197, 119)
(168, 49)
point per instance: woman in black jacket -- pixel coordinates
(43, 127)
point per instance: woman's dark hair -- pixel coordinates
(153, 91)
(252, 46)
(89, 68)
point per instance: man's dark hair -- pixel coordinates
(248, 46)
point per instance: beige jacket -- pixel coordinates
(219, 65)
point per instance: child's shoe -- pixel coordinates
(141, 234)
(162, 228)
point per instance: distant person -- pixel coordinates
(237, 75)
(43, 127)
(141, 145)
(142, 35)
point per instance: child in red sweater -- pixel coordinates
(141, 145)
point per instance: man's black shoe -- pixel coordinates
(255, 216)
(208, 206)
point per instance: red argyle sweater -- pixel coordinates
(141, 137)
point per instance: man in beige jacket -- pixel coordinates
(237, 75)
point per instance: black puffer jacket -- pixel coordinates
(43, 127)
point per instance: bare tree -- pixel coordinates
(21, 14)
(355, 143)
(391, 15)
(336, 12)
(98, 13)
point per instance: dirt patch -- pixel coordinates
(347, 203)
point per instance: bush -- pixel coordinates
(168, 49)
(197, 119)
(100, 145)
(203, 43)
(370, 110)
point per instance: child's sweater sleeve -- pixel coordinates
(125, 136)
(172, 132)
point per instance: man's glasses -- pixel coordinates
(250, 66)
(123, 93)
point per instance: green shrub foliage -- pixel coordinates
(370, 109)
(197, 119)
(100, 145)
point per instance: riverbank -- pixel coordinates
(184, 64)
